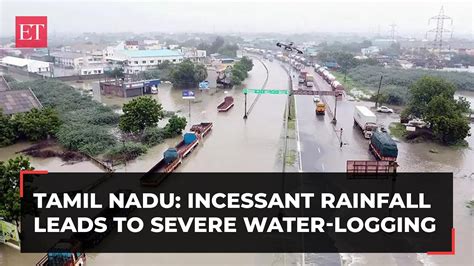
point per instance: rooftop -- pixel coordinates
(66, 54)
(18, 101)
(151, 53)
(22, 62)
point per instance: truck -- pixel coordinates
(202, 129)
(309, 80)
(226, 104)
(320, 108)
(66, 252)
(383, 147)
(302, 77)
(365, 119)
(170, 161)
(189, 142)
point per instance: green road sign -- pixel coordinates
(256, 91)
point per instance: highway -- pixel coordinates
(320, 138)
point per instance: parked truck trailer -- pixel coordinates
(365, 119)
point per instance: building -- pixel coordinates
(131, 45)
(16, 101)
(94, 69)
(140, 60)
(29, 65)
(193, 54)
(68, 59)
(128, 88)
(371, 50)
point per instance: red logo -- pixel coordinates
(31, 32)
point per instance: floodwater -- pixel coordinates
(236, 144)
(320, 146)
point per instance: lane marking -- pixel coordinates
(322, 166)
(319, 150)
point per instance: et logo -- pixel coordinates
(31, 32)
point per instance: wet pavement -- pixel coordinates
(321, 152)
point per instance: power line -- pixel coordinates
(440, 28)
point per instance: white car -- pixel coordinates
(316, 99)
(309, 84)
(384, 109)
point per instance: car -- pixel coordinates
(309, 84)
(416, 122)
(316, 99)
(384, 109)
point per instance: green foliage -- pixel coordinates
(152, 136)
(162, 71)
(123, 152)
(37, 124)
(7, 130)
(90, 139)
(86, 123)
(368, 76)
(433, 100)
(229, 50)
(9, 187)
(240, 70)
(140, 113)
(187, 74)
(174, 126)
(115, 73)
(9, 78)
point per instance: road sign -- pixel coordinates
(188, 94)
(258, 91)
(311, 92)
(204, 85)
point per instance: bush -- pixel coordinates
(90, 139)
(7, 130)
(126, 151)
(174, 127)
(153, 136)
(140, 113)
(37, 124)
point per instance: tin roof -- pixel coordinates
(18, 101)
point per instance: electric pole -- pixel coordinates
(393, 31)
(440, 29)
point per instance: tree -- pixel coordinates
(117, 72)
(7, 130)
(237, 76)
(433, 100)
(140, 113)
(37, 124)
(216, 45)
(423, 91)
(175, 126)
(247, 62)
(200, 72)
(188, 74)
(9, 187)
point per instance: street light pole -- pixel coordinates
(378, 92)
(245, 109)
(334, 120)
(189, 110)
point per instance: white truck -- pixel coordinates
(365, 119)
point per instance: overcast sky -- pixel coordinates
(289, 16)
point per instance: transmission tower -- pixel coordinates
(393, 31)
(439, 30)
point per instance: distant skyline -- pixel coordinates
(362, 17)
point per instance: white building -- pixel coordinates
(131, 45)
(194, 54)
(33, 66)
(141, 60)
(93, 69)
(68, 59)
(371, 50)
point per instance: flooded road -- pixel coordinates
(320, 152)
(236, 144)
